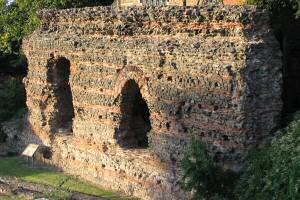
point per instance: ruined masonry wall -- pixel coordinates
(212, 73)
(178, 2)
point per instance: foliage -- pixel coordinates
(12, 99)
(277, 5)
(20, 18)
(204, 177)
(274, 172)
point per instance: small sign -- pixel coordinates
(234, 2)
(30, 150)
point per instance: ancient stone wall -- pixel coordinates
(177, 2)
(119, 94)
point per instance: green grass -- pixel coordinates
(16, 167)
(58, 195)
(73, 184)
(12, 198)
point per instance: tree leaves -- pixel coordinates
(274, 172)
(277, 5)
(204, 177)
(20, 18)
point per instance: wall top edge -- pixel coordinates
(208, 12)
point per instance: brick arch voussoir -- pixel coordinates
(132, 73)
(56, 56)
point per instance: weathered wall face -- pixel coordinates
(177, 2)
(234, 2)
(129, 2)
(211, 73)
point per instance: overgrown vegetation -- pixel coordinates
(271, 173)
(12, 99)
(20, 18)
(274, 172)
(277, 5)
(204, 177)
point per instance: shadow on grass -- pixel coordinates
(17, 167)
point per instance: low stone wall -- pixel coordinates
(210, 73)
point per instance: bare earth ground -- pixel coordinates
(14, 188)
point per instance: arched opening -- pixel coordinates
(135, 123)
(62, 90)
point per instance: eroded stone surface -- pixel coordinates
(176, 2)
(211, 73)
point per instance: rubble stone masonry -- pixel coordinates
(177, 2)
(118, 94)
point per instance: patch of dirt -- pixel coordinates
(26, 191)
(13, 187)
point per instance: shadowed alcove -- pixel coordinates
(287, 28)
(135, 122)
(62, 90)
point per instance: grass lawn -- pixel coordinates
(11, 198)
(16, 167)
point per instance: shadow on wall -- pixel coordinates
(287, 29)
(135, 122)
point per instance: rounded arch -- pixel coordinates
(131, 73)
(135, 122)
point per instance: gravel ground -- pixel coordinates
(14, 188)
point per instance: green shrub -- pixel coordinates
(20, 18)
(277, 5)
(274, 172)
(12, 99)
(204, 177)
